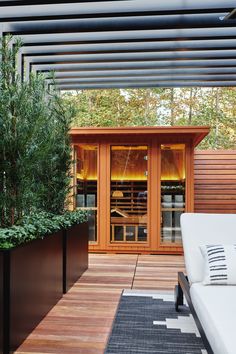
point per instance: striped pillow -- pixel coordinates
(220, 264)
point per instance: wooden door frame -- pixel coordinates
(124, 246)
(153, 244)
(189, 193)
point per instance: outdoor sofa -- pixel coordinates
(209, 242)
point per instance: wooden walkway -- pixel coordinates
(82, 319)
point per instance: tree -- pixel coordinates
(214, 107)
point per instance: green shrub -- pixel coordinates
(35, 152)
(38, 225)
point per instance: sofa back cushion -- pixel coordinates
(204, 229)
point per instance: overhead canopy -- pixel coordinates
(192, 134)
(121, 44)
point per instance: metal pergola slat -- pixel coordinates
(145, 72)
(151, 84)
(60, 7)
(96, 44)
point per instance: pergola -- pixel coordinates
(124, 43)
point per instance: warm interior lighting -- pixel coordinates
(172, 162)
(117, 194)
(87, 147)
(129, 178)
(87, 162)
(82, 177)
(172, 178)
(173, 147)
(128, 148)
(128, 163)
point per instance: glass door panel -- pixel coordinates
(87, 185)
(172, 192)
(128, 197)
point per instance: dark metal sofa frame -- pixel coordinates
(181, 290)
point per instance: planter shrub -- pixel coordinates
(35, 151)
(38, 225)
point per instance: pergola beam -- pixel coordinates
(157, 78)
(133, 56)
(115, 43)
(117, 23)
(230, 71)
(164, 84)
(127, 36)
(170, 5)
(207, 63)
(99, 70)
(137, 57)
(19, 3)
(46, 7)
(217, 44)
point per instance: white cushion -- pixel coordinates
(219, 264)
(216, 309)
(202, 229)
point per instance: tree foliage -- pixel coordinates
(34, 144)
(114, 108)
(214, 107)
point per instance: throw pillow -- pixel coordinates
(219, 264)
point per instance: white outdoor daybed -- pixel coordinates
(213, 306)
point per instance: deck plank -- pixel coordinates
(82, 319)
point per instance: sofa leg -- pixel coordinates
(179, 297)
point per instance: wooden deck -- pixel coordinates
(82, 319)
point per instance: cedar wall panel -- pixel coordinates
(215, 181)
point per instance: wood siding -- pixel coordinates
(215, 181)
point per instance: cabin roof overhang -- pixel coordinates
(195, 134)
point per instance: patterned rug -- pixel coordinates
(147, 323)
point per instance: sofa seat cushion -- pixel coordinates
(215, 306)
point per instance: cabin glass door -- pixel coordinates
(128, 194)
(86, 198)
(173, 172)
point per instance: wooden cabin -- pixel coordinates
(135, 183)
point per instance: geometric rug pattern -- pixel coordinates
(148, 323)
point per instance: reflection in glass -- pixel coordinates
(87, 185)
(128, 193)
(172, 191)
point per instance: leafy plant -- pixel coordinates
(38, 225)
(34, 146)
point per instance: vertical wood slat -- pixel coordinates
(103, 201)
(71, 198)
(189, 183)
(154, 214)
(215, 181)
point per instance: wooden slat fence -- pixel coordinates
(215, 181)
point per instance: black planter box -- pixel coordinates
(75, 254)
(1, 302)
(31, 277)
